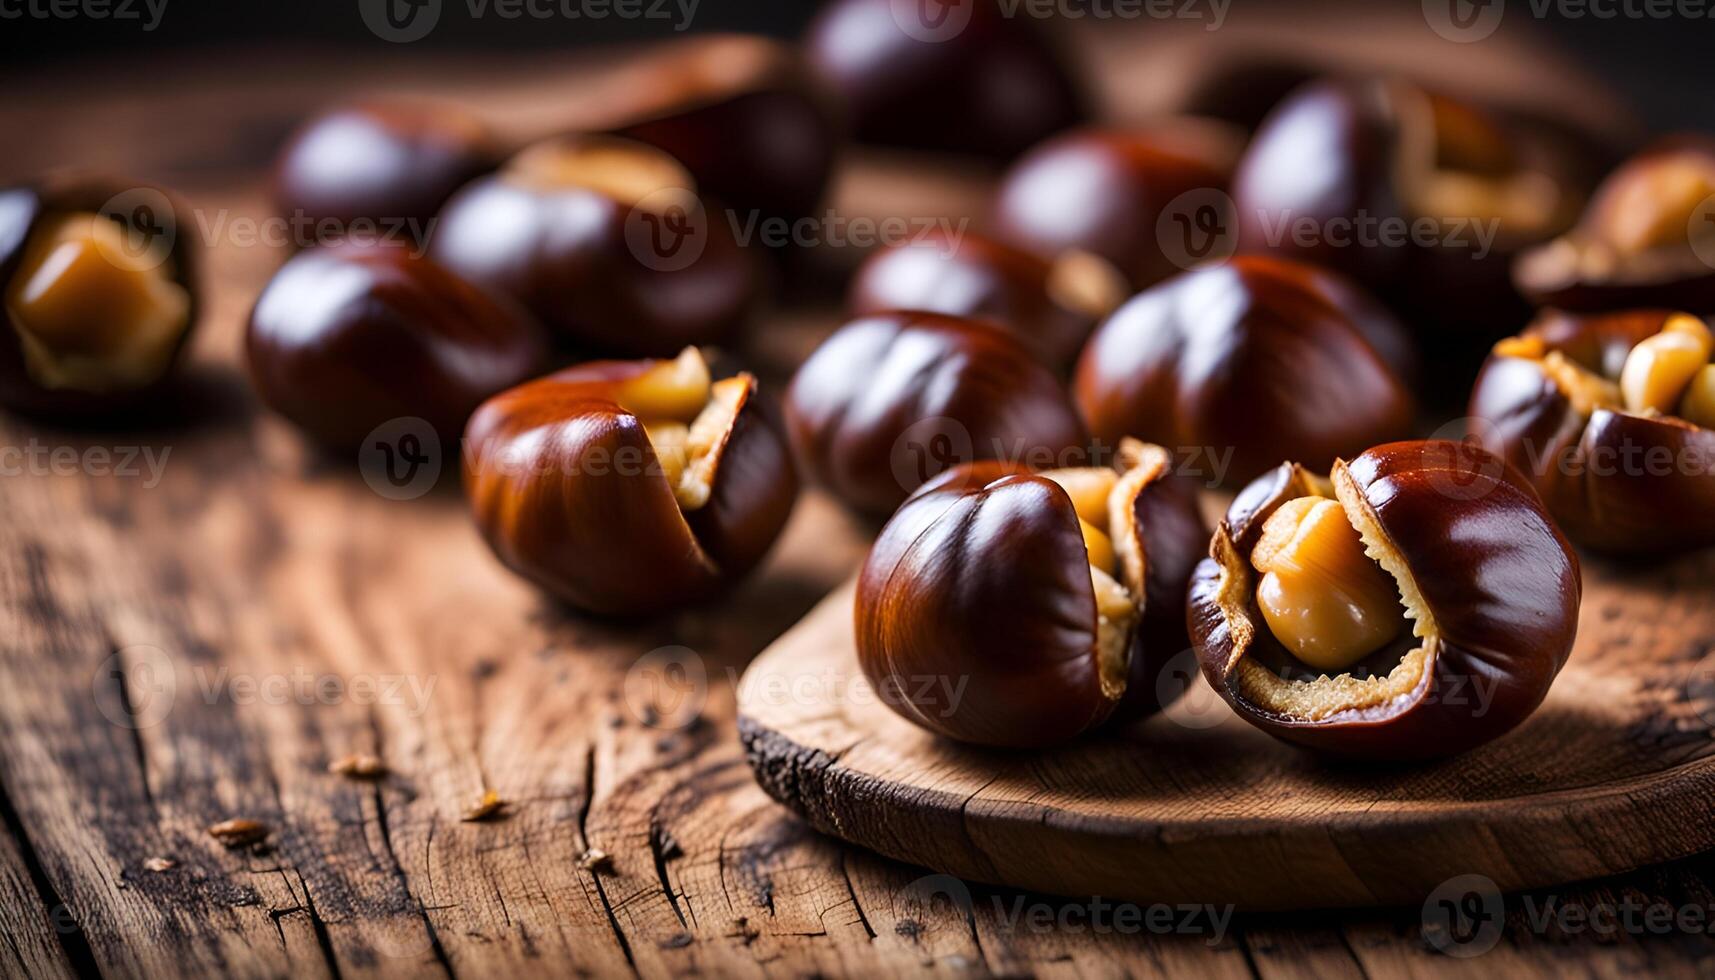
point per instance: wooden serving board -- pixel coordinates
(1614, 771)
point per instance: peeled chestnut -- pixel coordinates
(1612, 417)
(1249, 362)
(606, 241)
(892, 399)
(390, 165)
(960, 76)
(1052, 305)
(629, 487)
(345, 339)
(1415, 603)
(1647, 239)
(1007, 606)
(99, 296)
(1108, 193)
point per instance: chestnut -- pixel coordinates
(390, 164)
(892, 399)
(1110, 192)
(606, 242)
(1612, 417)
(1011, 607)
(1646, 240)
(99, 296)
(1259, 357)
(1415, 603)
(961, 76)
(346, 338)
(629, 487)
(1052, 305)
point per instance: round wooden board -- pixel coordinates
(1614, 771)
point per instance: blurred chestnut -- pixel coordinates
(1107, 192)
(629, 487)
(1005, 606)
(1416, 603)
(959, 76)
(892, 399)
(388, 164)
(1251, 361)
(606, 242)
(345, 339)
(1053, 306)
(99, 296)
(1647, 239)
(1612, 416)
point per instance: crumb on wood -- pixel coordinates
(159, 864)
(239, 831)
(596, 861)
(487, 808)
(358, 765)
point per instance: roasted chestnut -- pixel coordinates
(1052, 305)
(1117, 194)
(388, 165)
(345, 339)
(1612, 416)
(959, 76)
(629, 487)
(1647, 239)
(99, 296)
(606, 242)
(1249, 361)
(1012, 607)
(1415, 603)
(892, 399)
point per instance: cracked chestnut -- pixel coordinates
(1415, 603)
(630, 487)
(1012, 607)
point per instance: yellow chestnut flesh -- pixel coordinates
(1324, 599)
(686, 417)
(1655, 210)
(1089, 488)
(671, 390)
(1659, 369)
(1698, 405)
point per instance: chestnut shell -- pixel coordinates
(1494, 571)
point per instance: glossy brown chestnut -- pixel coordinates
(1647, 239)
(386, 165)
(892, 399)
(1618, 478)
(629, 487)
(606, 242)
(1053, 306)
(1005, 606)
(1249, 361)
(99, 296)
(961, 76)
(1487, 595)
(1107, 192)
(345, 339)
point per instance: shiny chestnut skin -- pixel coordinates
(28, 209)
(1053, 306)
(911, 76)
(567, 489)
(345, 339)
(604, 272)
(393, 164)
(1618, 482)
(982, 579)
(1105, 191)
(892, 399)
(1266, 357)
(1499, 589)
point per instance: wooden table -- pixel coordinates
(302, 618)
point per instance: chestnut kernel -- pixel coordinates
(892, 399)
(630, 487)
(345, 339)
(1441, 536)
(1051, 607)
